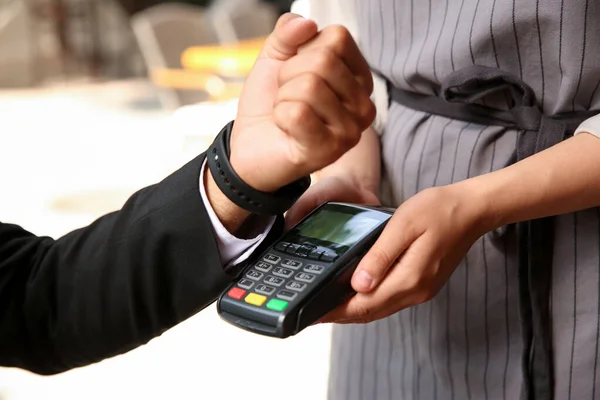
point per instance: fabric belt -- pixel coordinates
(459, 92)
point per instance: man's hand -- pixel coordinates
(305, 103)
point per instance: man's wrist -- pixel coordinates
(231, 216)
(244, 164)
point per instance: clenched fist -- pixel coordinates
(304, 104)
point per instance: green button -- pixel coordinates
(277, 305)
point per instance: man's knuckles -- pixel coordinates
(308, 87)
(321, 61)
(325, 60)
(366, 111)
(337, 37)
(311, 86)
(298, 113)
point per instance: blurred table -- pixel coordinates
(219, 70)
(233, 60)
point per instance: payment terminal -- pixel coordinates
(306, 273)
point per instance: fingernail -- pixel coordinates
(363, 280)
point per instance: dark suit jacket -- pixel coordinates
(112, 286)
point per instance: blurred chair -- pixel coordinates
(163, 32)
(257, 22)
(227, 33)
(237, 20)
(18, 49)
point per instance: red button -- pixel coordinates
(237, 293)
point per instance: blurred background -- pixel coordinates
(99, 98)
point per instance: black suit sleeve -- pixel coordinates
(112, 286)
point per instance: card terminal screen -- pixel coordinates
(343, 229)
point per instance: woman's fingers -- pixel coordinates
(411, 281)
(394, 240)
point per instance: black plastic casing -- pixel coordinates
(330, 290)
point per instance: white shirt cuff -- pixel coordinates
(232, 249)
(380, 98)
(590, 125)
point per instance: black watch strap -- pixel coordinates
(240, 192)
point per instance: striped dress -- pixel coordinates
(466, 342)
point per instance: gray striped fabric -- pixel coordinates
(466, 342)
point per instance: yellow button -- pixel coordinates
(255, 299)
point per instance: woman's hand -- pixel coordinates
(415, 255)
(342, 188)
(431, 232)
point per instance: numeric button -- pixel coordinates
(264, 289)
(263, 266)
(291, 264)
(283, 272)
(254, 275)
(272, 280)
(315, 269)
(304, 277)
(296, 286)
